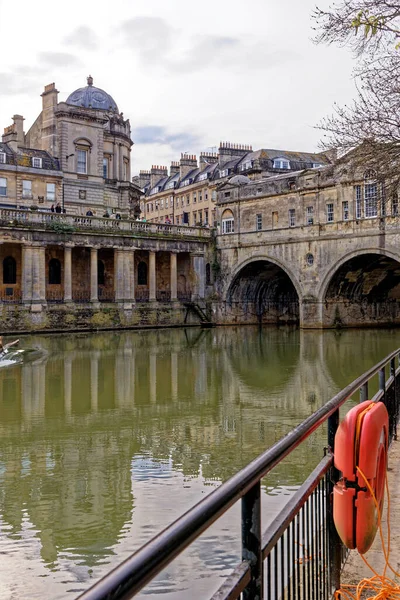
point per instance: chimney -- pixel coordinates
(157, 173)
(228, 151)
(144, 178)
(49, 104)
(10, 137)
(174, 168)
(208, 158)
(19, 129)
(186, 164)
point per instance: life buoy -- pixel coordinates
(360, 441)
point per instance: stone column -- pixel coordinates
(119, 275)
(198, 268)
(152, 276)
(94, 288)
(174, 278)
(26, 283)
(67, 274)
(42, 273)
(131, 276)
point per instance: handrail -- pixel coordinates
(137, 570)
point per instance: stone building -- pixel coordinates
(92, 142)
(187, 194)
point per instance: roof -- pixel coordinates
(92, 97)
(23, 157)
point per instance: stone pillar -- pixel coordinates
(119, 283)
(131, 275)
(94, 287)
(174, 278)
(36, 284)
(26, 274)
(67, 274)
(152, 276)
(198, 269)
(42, 273)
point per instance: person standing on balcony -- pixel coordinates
(58, 208)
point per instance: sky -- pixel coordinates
(187, 74)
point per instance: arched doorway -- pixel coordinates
(364, 291)
(262, 292)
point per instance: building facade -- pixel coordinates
(91, 140)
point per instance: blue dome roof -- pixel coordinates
(92, 97)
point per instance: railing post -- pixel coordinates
(364, 392)
(334, 541)
(251, 542)
(382, 381)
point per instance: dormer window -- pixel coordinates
(155, 190)
(246, 165)
(2, 158)
(186, 182)
(281, 163)
(316, 165)
(203, 176)
(224, 173)
(170, 185)
(36, 162)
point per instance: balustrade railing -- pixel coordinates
(54, 296)
(10, 295)
(163, 295)
(300, 553)
(60, 222)
(141, 295)
(106, 294)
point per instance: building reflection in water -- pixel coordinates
(83, 426)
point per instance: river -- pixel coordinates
(106, 438)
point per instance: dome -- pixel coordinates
(92, 97)
(239, 180)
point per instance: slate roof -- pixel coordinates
(23, 157)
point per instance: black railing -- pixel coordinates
(301, 549)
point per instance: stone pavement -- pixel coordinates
(355, 568)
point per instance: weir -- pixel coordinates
(300, 555)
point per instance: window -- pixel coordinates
(170, 185)
(54, 271)
(309, 215)
(345, 210)
(200, 197)
(82, 194)
(329, 213)
(206, 217)
(82, 161)
(228, 226)
(50, 191)
(101, 279)
(292, 217)
(358, 201)
(142, 273)
(126, 170)
(203, 176)
(316, 165)
(9, 270)
(26, 189)
(177, 202)
(246, 165)
(223, 173)
(258, 222)
(36, 162)
(162, 203)
(3, 186)
(227, 194)
(194, 198)
(370, 194)
(395, 203)
(2, 158)
(281, 163)
(166, 202)
(188, 199)
(186, 182)
(309, 260)
(105, 168)
(177, 219)
(200, 217)
(172, 201)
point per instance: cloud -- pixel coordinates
(83, 37)
(156, 134)
(58, 59)
(160, 45)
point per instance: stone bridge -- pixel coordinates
(339, 274)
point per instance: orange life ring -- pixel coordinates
(360, 441)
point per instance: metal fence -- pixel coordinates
(300, 555)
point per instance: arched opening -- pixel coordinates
(54, 271)
(142, 273)
(9, 270)
(100, 273)
(227, 222)
(364, 291)
(263, 292)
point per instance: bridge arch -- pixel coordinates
(362, 288)
(262, 289)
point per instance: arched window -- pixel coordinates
(208, 274)
(55, 271)
(9, 270)
(228, 222)
(142, 273)
(100, 273)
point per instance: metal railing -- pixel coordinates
(302, 551)
(49, 220)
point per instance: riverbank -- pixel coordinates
(355, 569)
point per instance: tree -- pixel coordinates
(371, 124)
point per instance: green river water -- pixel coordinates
(106, 438)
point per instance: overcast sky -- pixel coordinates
(186, 74)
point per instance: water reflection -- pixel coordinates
(106, 438)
